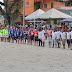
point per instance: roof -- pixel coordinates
(53, 13)
(35, 14)
(65, 11)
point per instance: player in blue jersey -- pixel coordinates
(12, 34)
(18, 35)
(25, 35)
(21, 35)
(9, 30)
(15, 35)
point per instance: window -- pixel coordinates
(45, 5)
(37, 5)
(67, 4)
(51, 5)
(27, 3)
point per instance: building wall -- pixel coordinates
(56, 5)
(29, 8)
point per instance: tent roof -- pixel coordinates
(66, 20)
(34, 14)
(53, 13)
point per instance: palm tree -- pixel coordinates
(8, 13)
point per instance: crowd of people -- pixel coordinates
(37, 35)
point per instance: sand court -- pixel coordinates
(27, 58)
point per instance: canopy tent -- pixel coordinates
(66, 20)
(34, 15)
(53, 14)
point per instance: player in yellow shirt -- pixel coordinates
(6, 34)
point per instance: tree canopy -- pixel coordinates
(10, 12)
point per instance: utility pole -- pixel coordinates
(23, 12)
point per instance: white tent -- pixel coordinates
(34, 15)
(53, 13)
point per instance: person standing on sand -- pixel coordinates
(63, 36)
(36, 37)
(68, 37)
(32, 35)
(58, 34)
(54, 39)
(40, 37)
(43, 36)
(49, 34)
(9, 31)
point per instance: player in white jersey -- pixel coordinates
(63, 36)
(58, 34)
(54, 38)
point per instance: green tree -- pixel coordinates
(8, 13)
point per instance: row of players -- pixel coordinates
(54, 37)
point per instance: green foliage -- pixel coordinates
(10, 16)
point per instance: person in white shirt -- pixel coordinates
(63, 36)
(54, 38)
(71, 36)
(43, 36)
(58, 35)
(40, 37)
(68, 37)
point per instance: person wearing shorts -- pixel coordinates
(18, 35)
(25, 35)
(49, 34)
(9, 31)
(36, 37)
(54, 39)
(15, 35)
(58, 35)
(1, 34)
(71, 38)
(22, 35)
(32, 35)
(68, 37)
(63, 36)
(12, 34)
(6, 34)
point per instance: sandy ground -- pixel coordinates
(27, 58)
